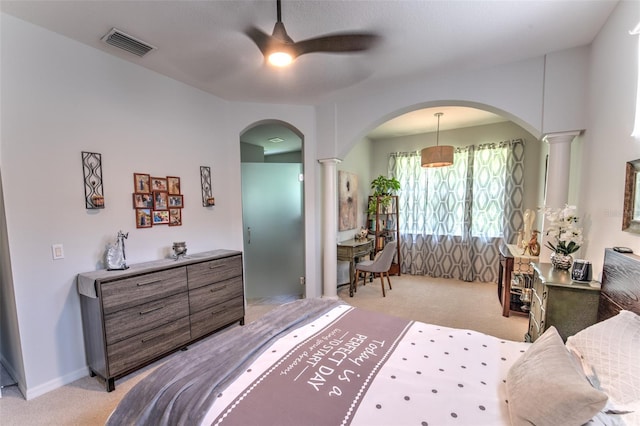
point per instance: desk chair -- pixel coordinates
(379, 266)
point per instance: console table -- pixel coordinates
(135, 316)
(511, 261)
(351, 251)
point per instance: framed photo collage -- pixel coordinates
(157, 200)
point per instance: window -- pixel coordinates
(435, 201)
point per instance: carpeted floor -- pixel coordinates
(438, 301)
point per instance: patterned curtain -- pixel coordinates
(453, 219)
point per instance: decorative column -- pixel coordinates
(329, 227)
(557, 184)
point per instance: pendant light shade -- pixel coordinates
(437, 156)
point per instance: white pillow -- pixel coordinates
(546, 386)
(611, 348)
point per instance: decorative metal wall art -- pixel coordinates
(157, 200)
(205, 182)
(92, 172)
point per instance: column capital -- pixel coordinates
(561, 137)
(329, 161)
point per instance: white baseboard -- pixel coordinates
(54, 384)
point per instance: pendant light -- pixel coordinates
(437, 156)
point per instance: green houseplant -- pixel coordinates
(382, 187)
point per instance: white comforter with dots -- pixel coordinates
(354, 367)
(319, 362)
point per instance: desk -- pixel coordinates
(511, 261)
(351, 251)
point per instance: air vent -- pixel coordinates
(124, 41)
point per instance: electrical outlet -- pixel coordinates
(57, 251)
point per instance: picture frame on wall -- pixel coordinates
(173, 185)
(160, 201)
(176, 201)
(143, 218)
(142, 183)
(175, 217)
(159, 184)
(142, 201)
(160, 217)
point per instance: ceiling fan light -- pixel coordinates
(437, 156)
(280, 59)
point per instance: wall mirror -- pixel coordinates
(631, 213)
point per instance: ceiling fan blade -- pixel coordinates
(352, 42)
(260, 38)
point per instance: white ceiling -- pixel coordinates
(202, 43)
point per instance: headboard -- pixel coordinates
(620, 284)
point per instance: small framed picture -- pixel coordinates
(175, 217)
(141, 183)
(143, 218)
(173, 185)
(142, 201)
(160, 217)
(158, 184)
(160, 200)
(176, 201)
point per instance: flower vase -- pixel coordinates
(561, 261)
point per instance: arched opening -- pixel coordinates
(463, 124)
(273, 211)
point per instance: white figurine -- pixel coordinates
(115, 257)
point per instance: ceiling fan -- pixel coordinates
(280, 50)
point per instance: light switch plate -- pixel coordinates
(57, 251)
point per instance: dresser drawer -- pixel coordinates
(205, 273)
(128, 292)
(130, 353)
(214, 294)
(217, 316)
(128, 322)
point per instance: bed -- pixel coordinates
(323, 362)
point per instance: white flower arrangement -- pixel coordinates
(562, 227)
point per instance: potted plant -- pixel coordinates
(563, 229)
(383, 187)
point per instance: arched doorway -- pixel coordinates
(273, 211)
(406, 136)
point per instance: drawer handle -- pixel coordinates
(150, 339)
(148, 282)
(218, 288)
(220, 265)
(148, 311)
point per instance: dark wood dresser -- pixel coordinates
(135, 316)
(558, 301)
